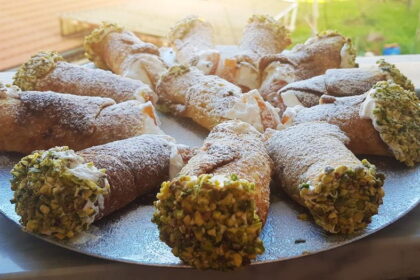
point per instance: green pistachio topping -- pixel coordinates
(96, 37)
(182, 27)
(395, 74)
(343, 200)
(175, 71)
(210, 222)
(36, 68)
(56, 193)
(397, 119)
(278, 28)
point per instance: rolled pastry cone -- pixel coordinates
(212, 213)
(314, 167)
(341, 82)
(33, 120)
(210, 100)
(262, 36)
(111, 47)
(318, 54)
(384, 121)
(60, 192)
(46, 71)
(192, 40)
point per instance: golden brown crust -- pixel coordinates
(41, 120)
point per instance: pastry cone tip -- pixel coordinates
(35, 68)
(210, 222)
(343, 199)
(95, 37)
(183, 26)
(56, 193)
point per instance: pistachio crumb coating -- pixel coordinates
(396, 116)
(279, 29)
(343, 199)
(395, 74)
(35, 68)
(210, 222)
(182, 27)
(56, 193)
(96, 37)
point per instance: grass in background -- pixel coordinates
(370, 23)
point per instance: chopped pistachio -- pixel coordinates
(96, 37)
(278, 28)
(182, 27)
(397, 117)
(50, 198)
(35, 68)
(343, 203)
(221, 234)
(394, 74)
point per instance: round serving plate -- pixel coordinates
(129, 236)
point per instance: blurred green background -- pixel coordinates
(371, 24)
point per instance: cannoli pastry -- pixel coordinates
(314, 167)
(192, 40)
(31, 120)
(210, 100)
(384, 121)
(212, 213)
(47, 71)
(60, 192)
(262, 36)
(318, 54)
(111, 47)
(341, 82)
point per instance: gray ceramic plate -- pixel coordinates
(130, 236)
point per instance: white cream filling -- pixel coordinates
(290, 114)
(367, 107)
(273, 73)
(168, 56)
(205, 63)
(176, 163)
(247, 76)
(133, 68)
(247, 110)
(346, 58)
(289, 99)
(143, 94)
(150, 124)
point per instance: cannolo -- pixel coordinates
(32, 120)
(314, 167)
(192, 40)
(210, 100)
(111, 47)
(318, 54)
(262, 36)
(60, 192)
(212, 213)
(384, 121)
(341, 82)
(46, 71)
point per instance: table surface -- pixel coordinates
(393, 252)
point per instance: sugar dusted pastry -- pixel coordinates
(192, 40)
(111, 47)
(60, 192)
(31, 120)
(384, 121)
(47, 71)
(314, 167)
(212, 213)
(341, 82)
(209, 100)
(318, 54)
(262, 36)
